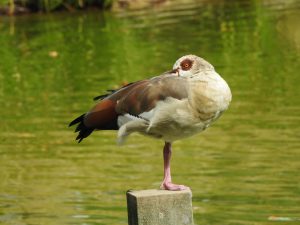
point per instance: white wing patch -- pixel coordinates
(147, 115)
(125, 119)
(129, 124)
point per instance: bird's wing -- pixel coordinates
(104, 115)
(134, 99)
(143, 96)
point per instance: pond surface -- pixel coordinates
(242, 170)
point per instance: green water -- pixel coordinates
(242, 170)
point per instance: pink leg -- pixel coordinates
(167, 182)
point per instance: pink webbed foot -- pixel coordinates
(173, 187)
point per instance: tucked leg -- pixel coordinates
(167, 182)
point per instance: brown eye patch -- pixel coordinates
(186, 64)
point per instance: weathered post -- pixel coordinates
(159, 207)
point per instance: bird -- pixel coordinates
(174, 105)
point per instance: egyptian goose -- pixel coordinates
(172, 106)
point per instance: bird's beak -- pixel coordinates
(176, 70)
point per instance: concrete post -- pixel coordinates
(159, 207)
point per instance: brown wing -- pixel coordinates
(144, 96)
(104, 114)
(134, 99)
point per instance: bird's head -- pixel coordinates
(191, 65)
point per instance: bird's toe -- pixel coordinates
(173, 187)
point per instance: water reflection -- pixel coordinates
(243, 170)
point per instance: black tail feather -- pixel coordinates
(100, 97)
(110, 91)
(77, 120)
(83, 130)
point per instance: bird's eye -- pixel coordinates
(186, 64)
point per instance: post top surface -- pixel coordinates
(156, 192)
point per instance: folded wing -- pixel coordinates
(133, 99)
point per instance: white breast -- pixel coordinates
(209, 93)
